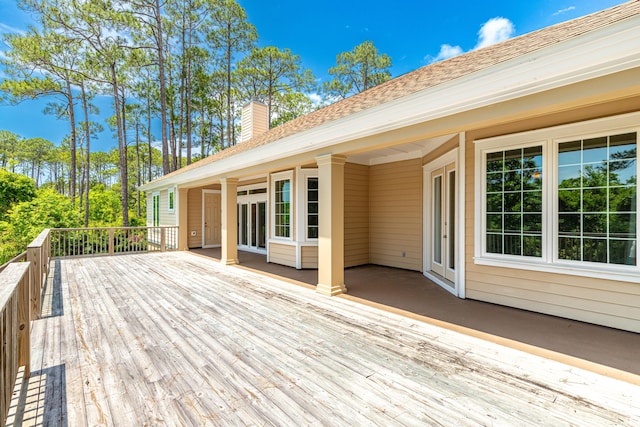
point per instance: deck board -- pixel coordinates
(176, 339)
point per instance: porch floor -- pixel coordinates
(178, 339)
(410, 291)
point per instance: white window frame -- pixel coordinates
(275, 177)
(550, 138)
(303, 197)
(171, 192)
(154, 195)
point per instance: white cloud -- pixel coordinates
(446, 51)
(8, 29)
(565, 10)
(315, 98)
(494, 31)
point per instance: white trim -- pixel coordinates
(303, 176)
(205, 191)
(170, 191)
(153, 210)
(462, 243)
(549, 138)
(282, 176)
(601, 52)
(253, 187)
(452, 156)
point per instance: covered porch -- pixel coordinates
(411, 294)
(180, 339)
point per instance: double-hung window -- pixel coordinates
(281, 189)
(171, 200)
(564, 199)
(156, 209)
(312, 207)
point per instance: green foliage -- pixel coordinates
(358, 70)
(104, 207)
(14, 188)
(27, 219)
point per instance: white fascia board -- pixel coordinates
(598, 53)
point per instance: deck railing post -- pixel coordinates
(24, 327)
(35, 279)
(163, 239)
(111, 241)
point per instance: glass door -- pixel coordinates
(252, 222)
(443, 222)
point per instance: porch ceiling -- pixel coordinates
(395, 153)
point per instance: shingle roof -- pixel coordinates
(430, 76)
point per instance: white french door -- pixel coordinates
(252, 222)
(441, 224)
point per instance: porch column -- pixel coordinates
(331, 224)
(229, 199)
(183, 232)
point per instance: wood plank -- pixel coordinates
(177, 339)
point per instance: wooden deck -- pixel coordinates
(176, 339)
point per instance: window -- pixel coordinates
(597, 182)
(566, 199)
(514, 202)
(171, 199)
(312, 208)
(282, 215)
(156, 209)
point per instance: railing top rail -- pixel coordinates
(141, 227)
(18, 258)
(39, 241)
(10, 278)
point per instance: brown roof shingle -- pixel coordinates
(432, 75)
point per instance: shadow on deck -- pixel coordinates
(412, 292)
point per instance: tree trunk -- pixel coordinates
(122, 149)
(163, 93)
(87, 170)
(228, 142)
(72, 123)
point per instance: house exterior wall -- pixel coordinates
(356, 214)
(309, 255)
(166, 218)
(282, 254)
(395, 212)
(194, 217)
(590, 299)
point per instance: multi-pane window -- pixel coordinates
(588, 187)
(171, 199)
(156, 209)
(312, 208)
(282, 205)
(514, 202)
(597, 184)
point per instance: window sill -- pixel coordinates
(622, 274)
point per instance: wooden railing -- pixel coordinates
(21, 286)
(22, 280)
(74, 242)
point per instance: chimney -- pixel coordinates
(255, 120)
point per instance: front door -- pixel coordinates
(211, 217)
(441, 225)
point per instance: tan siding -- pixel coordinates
(356, 215)
(309, 256)
(194, 217)
(282, 254)
(150, 209)
(605, 302)
(166, 218)
(395, 216)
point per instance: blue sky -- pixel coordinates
(413, 32)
